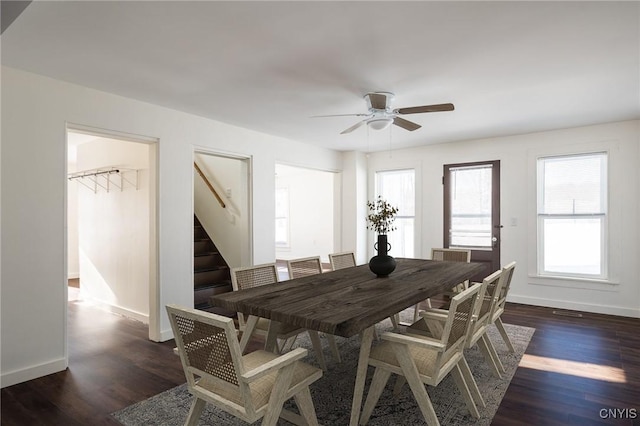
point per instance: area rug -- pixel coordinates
(332, 394)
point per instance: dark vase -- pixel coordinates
(382, 264)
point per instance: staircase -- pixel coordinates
(211, 274)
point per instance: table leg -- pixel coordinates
(363, 362)
(248, 331)
(271, 344)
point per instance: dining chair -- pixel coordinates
(254, 276)
(250, 387)
(451, 255)
(448, 255)
(305, 267)
(342, 260)
(348, 260)
(431, 322)
(425, 360)
(507, 275)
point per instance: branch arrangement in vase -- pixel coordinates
(381, 216)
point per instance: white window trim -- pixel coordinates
(416, 200)
(482, 166)
(612, 249)
(286, 244)
(604, 234)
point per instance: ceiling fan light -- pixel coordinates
(380, 123)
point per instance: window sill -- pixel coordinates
(574, 282)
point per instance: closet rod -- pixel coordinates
(95, 174)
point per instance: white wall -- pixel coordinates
(35, 112)
(621, 294)
(228, 227)
(354, 205)
(113, 228)
(311, 212)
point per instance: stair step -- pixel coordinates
(202, 246)
(212, 268)
(208, 262)
(199, 233)
(211, 277)
(211, 273)
(220, 284)
(206, 253)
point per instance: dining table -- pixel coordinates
(345, 302)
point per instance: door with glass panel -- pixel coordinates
(472, 211)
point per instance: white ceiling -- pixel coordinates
(509, 67)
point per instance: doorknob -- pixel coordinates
(494, 240)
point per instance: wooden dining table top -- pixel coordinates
(347, 301)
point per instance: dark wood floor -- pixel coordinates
(575, 370)
(113, 365)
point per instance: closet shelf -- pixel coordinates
(107, 178)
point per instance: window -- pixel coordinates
(398, 188)
(471, 199)
(282, 217)
(572, 215)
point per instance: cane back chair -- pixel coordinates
(250, 387)
(427, 360)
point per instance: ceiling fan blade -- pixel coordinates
(340, 115)
(406, 124)
(425, 108)
(378, 101)
(352, 128)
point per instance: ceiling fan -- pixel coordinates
(381, 116)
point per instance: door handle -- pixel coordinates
(494, 240)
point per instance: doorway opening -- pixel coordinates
(222, 232)
(111, 231)
(307, 214)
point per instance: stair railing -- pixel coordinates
(211, 188)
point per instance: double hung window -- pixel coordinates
(398, 188)
(572, 215)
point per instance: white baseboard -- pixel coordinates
(73, 275)
(166, 335)
(574, 306)
(19, 376)
(143, 318)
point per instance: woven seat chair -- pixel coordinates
(425, 360)
(451, 255)
(259, 275)
(305, 267)
(432, 319)
(448, 255)
(249, 387)
(507, 275)
(342, 260)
